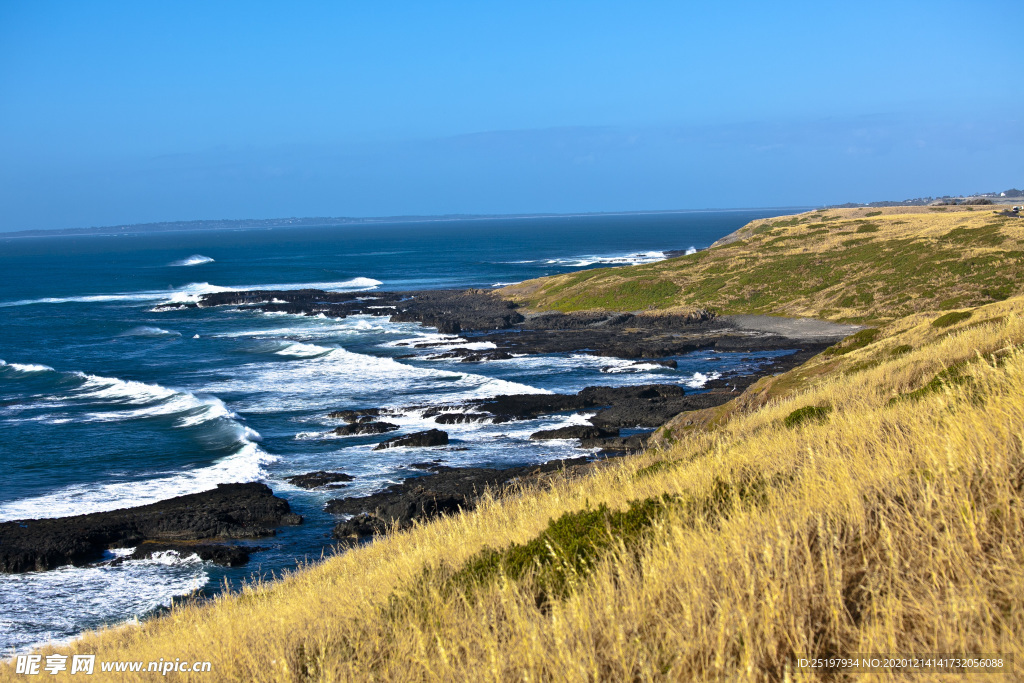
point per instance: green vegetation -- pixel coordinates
(565, 552)
(807, 414)
(951, 318)
(637, 294)
(954, 375)
(857, 340)
(835, 265)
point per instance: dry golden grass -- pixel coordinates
(855, 265)
(884, 527)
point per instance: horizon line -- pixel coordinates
(328, 221)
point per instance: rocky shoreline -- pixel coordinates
(482, 316)
(197, 523)
(230, 511)
(488, 318)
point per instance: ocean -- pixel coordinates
(107, 403)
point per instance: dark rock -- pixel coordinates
(352, 416)
(359, 526)
(229, 511)
(470, 356)
(527, 406)
(312, 480)
(489, 318)
(445, 491)
(663, 363)
(429, 438)
(461, 418)
(481, 356)
(636, 442)
(574, 432)
(361, 427)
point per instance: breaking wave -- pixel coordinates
(24, 368)
(149, 331)
(193, 260)
(110, 399)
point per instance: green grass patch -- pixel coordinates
(653, 468)
(855, 341)
(952, 376)
(951, 318)
(568, 281)
(807, 414)
(566, 552)
(869, 214)
(867, 227)
(635, 294)
(901, 350)
(985, 236)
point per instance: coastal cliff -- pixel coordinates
(868, 499)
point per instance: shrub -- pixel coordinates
(807, 414)
(951, 318)
(901, 350)
(855, 341)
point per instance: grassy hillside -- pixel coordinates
(869, 501)
(875, 507)
(849, 265)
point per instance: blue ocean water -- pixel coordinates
(107, 403)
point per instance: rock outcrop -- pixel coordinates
(228, 511)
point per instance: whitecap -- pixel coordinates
(322, 381)
(244, 465)
(193, 260)
(26, 368)
(149, 331)
(300, 350)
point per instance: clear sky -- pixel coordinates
(137, 111)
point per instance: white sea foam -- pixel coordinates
(120, 390)
(149, 331)
(699, 379)
(344, 376)
(26, 368)
(619, 366)
(116, 399)
(300, 350)
(633, 259)
(193, 260)
(52, 606)
(425, 338)
(191, 293)
(691, 251)
(246, 464)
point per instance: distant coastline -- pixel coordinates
(324, 222)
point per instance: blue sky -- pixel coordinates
(132, 112)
